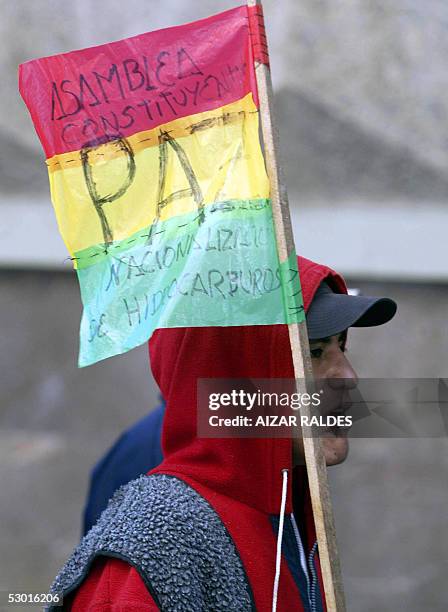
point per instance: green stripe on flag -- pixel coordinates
(218, 270)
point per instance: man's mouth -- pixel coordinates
(338, 410)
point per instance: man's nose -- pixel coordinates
(342, 375)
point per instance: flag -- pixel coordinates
(158, 182)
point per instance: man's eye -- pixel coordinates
(316, 353)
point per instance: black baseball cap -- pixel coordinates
(332, 313)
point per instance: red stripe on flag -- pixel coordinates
(139, 83)
(258, 34)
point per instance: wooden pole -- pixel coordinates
(298, 336)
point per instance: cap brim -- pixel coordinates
(332, 313)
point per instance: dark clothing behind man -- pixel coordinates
(137, 451)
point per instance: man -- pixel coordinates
(200, 532)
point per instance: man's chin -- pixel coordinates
(335, 449)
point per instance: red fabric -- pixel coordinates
(246, 470)
(113, 586)
(241, 478)
(258, 34)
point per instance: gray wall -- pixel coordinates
(380, 64)
(374, 71)
(360, 98)
(390, 496)
(362, 106)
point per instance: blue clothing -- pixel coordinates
(136, 451)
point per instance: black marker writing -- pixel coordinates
(91, 149)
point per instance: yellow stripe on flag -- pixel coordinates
(110, 191)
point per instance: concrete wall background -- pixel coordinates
(376, 68)
(390, 497)
(380, 64)
(360, 98)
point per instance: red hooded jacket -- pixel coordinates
(240, 478)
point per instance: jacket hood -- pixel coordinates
(249, 469)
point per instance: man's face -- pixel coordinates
(334, 372)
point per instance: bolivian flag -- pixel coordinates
(158, 182)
